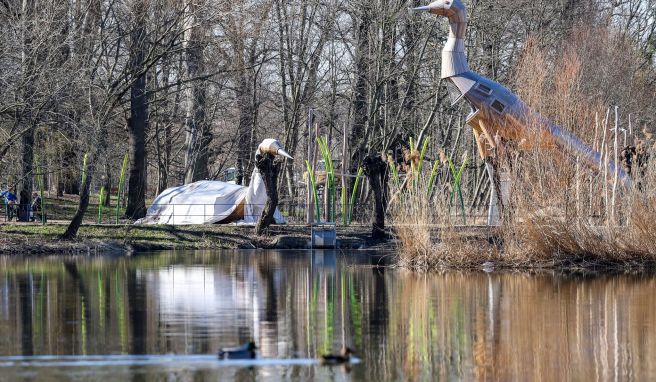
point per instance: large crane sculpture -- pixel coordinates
(496, 111)
(213, 201)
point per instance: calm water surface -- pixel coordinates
(163, 316)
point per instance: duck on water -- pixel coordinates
(248, 351)
(337, 359)
(245, 351)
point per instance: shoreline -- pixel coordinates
(127, 240)
(34, 239)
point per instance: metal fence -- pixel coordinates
(293, 212)
(20, 212)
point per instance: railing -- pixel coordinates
(293, 212)
(20, 212)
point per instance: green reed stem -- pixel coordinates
(121, 182)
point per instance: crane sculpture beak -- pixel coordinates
(439, 7)
(423, 8)
(273, 147)
(284, 153)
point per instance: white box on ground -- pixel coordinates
(323, 236)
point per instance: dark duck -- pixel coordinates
(337, 359)
(246, 351)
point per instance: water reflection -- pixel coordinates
(183, 306)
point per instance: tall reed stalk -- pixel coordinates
(313, 186)
(101, 202)
(457, 176)
(395, 173)
(330, 178)
(121, 182)
(344, 207)
(431, 179)
(354, 193)
(84, 171)
(422, 155)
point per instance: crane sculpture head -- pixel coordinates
(273, 147)
(454, 10)
(454, 61)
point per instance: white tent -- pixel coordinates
(208, 201)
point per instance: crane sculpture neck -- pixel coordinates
(454, 60)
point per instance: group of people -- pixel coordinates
(25, 212)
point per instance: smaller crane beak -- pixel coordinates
(423, 8)
(284, 153)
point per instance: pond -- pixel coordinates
(162, 316)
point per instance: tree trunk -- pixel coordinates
(197, 136)
(24, 202)
(411, 40)
(246, 113)
(136, 198)
(74, 226)
(376, 170)
(29, 75)
(360, 109)
(27, 156)
(68, 181)
(269, 169)
(138, 121)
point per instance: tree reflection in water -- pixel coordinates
(454, 325)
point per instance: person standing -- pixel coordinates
(36, 206)
(10, 200)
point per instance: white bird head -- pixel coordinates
(272, 146)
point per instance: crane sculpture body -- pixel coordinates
(498, 114)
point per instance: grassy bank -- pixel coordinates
(34, 238)
(122, 239)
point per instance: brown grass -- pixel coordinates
(426, 230)
(583, 227)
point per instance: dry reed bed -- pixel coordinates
(559, 215)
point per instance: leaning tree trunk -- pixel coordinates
(74, 225)
(269, 169)
(376, 170)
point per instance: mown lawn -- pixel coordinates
(139, 236)
(63, 208)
